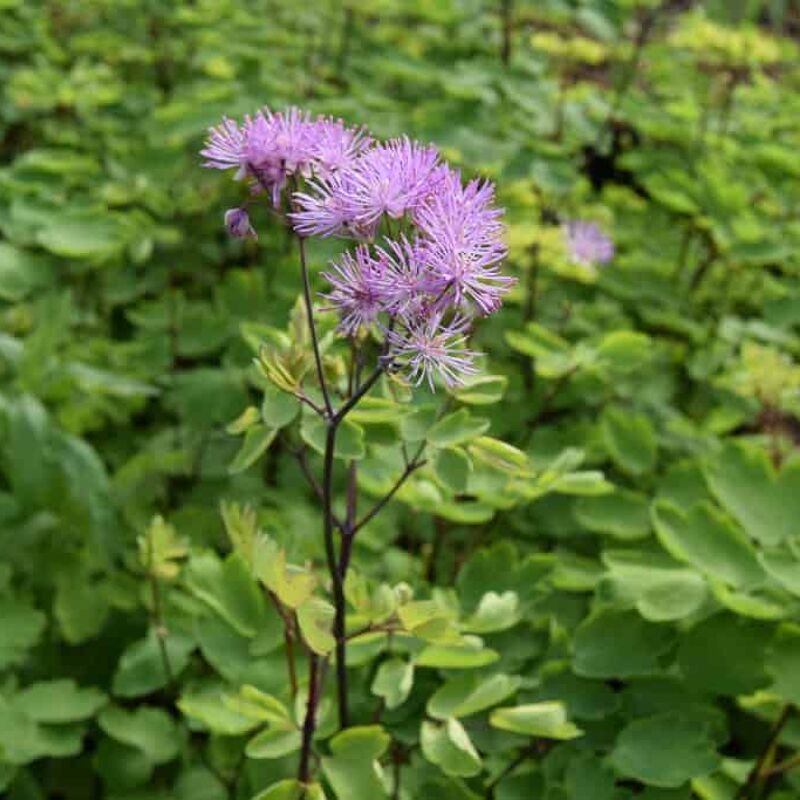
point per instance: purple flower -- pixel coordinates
(587, 244)
(276, 146)
(393, 179)
(407, 283)
(359, 290)
(269, 147)
(463, 245)
(429, 347)
(237, 222)
(424, 283)
(225, 148)
(325, 210)
(335, 146)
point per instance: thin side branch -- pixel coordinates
(411, 467)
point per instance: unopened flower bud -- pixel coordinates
(237, 222)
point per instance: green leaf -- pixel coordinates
(244, 421)
(584, 699)
(256, 705)
(121, 766)
(624, 352)
(765, 604)
(375, 411)
(256, 441)
(622, 514)
(81, 610)
(58, 701)
(141, 670)
(449, 747)
(782, 565)
(274, 743)
(278, 408)
(783, 663)
(452, 467)
(23, 741)
(765, 502)
(208, 707)
(20, 629)
(546, 720)
(468, 694)
(469, 655)
(394, 681)
(725, 654)
(619, 644)
(427, 619)
(291, 789)
(589, 778)
(495, 612)
(629, 439)
(229, 589)
(150, 730)
(554, 355)
(352, 769)
(21, 272)
(315, 618)
(89, 236)
(414, 426)
(457, 428)
(499, 568)
(665, 750)
(482, 390)
(660, 588)
(709, 541)
(349, 444)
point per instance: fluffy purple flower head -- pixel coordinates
(336, 146)
(278, 145)
(587, 244)
(390, 179)
(237, 223)
(269, 147)
(462, 240)
(407, 282)
(430, 347)
(360, 290)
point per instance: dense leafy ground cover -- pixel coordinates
(589, 590)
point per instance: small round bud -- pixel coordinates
(237, 222)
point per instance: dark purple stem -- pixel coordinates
(310, 720)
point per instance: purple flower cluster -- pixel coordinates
(587, 244)
(427, 247)
(270, 147)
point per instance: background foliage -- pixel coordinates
(624, 583)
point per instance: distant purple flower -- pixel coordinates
(237, 222)
(430, 347)
(587, 244)
(359, 290)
